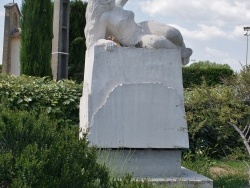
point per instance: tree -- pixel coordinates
(36, 37)
(77, 46)
(211, 73)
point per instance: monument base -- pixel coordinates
(133, 98)
(187, 179)
(158, 166)
(143, 163)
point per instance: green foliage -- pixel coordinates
(77, 19)
(209, 111)
(128, 182)
(212, 73)
(36, 152)
(231, 181)
(36, 37)
(241, 84)
(208, 65)
(224, 173)
(59, 99)
(0, 69)
(77, 59)
(77, 39)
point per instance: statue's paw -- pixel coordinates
(110, 46)
(185, 61)
(186, 53)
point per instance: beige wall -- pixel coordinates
(11, 31)
(15, 53)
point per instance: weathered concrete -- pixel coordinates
(11, 25)
(133, 98)
(158, 166)
(143, 163)
(187, 179)
(15, 55)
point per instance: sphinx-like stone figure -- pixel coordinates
(107, 19)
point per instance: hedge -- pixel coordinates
(209, 110)
(211, 73)
(59, 99)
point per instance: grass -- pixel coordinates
(225, 173)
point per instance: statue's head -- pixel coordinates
(101, 3)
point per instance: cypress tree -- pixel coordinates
(77, 39)
(36, 37)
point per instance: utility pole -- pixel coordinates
(247, 33)
(60, 42)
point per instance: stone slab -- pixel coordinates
(188, 179)
(143, 163)
(133, 98)
(158, 166)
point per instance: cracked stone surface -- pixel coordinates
(133, 98)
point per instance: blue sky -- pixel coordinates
(213, 29)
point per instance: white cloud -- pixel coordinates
(202, 32)
(215, 12)
(215, 52)
(233, 63)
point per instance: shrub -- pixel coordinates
(209, 111)
(59, 99)
(241, 84)
(36, 152)
(212, 73)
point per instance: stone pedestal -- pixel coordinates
(133, 105)
(133, 98)
(143, 163)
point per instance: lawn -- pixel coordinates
(226, 173)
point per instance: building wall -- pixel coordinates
(15, 54)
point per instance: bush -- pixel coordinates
(209, 111)
(212, 73)
(241, 84)
(36, 152)
(59, 99)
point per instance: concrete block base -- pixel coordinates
(188, 179)
(143, 163)
(133, 98)
(158, 166)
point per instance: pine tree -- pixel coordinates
(36, 37)
(77, 46)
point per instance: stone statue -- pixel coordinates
(107, 19)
